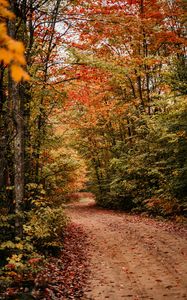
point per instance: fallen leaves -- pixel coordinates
(65, 277)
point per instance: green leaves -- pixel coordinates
(46, 226)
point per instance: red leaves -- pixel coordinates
(10, 266)
(34, 260)
(64, 277)
(11, 292)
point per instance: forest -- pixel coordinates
(92, 100)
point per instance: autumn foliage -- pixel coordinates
(12, 51)
(124, 101)
(92, 98)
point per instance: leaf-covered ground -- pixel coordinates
(65, 277)
(114, 255)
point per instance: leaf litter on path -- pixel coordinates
(64, 277)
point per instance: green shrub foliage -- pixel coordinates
(45, 227)
(148, 171)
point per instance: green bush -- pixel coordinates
(20, 266)
(152, 166)
(46, 227)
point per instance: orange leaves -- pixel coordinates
(170, 37)
(4, 12)
(17, 47)
(18, 73)
(123, 49)
(11, 51)
(5, 56)
(34, 260)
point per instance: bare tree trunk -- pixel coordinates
(18, 156)
(14, 94)
(2, 134)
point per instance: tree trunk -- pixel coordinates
(18, 156)
(14, 94)
(2, 135)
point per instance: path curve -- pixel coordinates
(132, 257)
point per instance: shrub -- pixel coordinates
(163, 206)
(20, 267)
(46, 227)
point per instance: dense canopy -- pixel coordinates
(93, 99)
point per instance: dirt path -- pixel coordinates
(132, 257)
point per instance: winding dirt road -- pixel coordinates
(132, 257)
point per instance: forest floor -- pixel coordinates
(130, 256)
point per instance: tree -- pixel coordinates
(26, 108)
(132, 46)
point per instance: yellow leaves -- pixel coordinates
(18, 73)
(181, 133)
(16, 260)
(16, 46)
(11, 245)
(4, 3)
(3, 34)
(11, 51)
(4, 12)
(5, 56)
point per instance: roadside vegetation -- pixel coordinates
(92, 99)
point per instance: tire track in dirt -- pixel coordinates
(132, 257)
